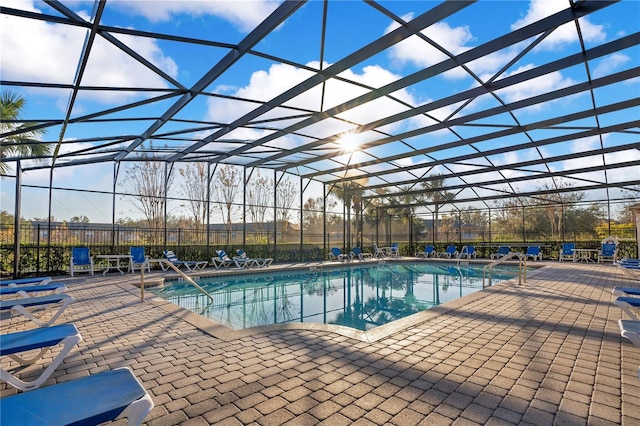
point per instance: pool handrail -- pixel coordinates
(175, 268)
(522, 267)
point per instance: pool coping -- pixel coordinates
(225, 333)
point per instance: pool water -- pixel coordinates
(360, 297)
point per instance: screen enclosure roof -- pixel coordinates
(495, 99)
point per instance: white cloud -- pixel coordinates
(609, 64)
(565, 34)
(33, 50)
(244, 14)
(267, 84)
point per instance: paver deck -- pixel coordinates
(545, 352)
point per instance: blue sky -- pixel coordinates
(45, 52)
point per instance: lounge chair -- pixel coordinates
(357, 252)
(631, 305)
(394, 250)
(25, 281)
(468, 252)
(534, 253)
(630, 329)
(260, 262)
(502, 252)
(23, 306)
(630, 267)
(625, 291)
(222, 260)
(450, 251)
(138, 259)
(190, 265)
(336, 254)
(378, 253)
(608, 252)
(89, 400)
(32, 290)
(566, 253)
(429, 251)
(43, 339)
(81, 260)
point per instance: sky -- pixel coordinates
(39, 51)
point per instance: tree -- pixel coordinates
(226, 189)
(438, 197)
(79, 219)
(196, 189)
(286, 196)
(146, 184)
(313, 213)
(25, 142)
(259, 191)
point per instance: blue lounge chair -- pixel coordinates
(631, 305)
(81, 260)
(42, 339)
(32, 290)
(260, 262)
(394, 250)
(336, 254)
(626, 291)
(608, 252)
(190, 265)
(502, 252)
(468, 252)
(567, 252)
(139, 259)
(429, 251)
(630, 329)
(357, 252)
(450, 251)
(534, 252)
(89, 400)
(222, 260)
(23, 306)
(25, 281)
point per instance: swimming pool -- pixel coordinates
(361, 297)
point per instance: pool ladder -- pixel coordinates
(175, 268)
(522, 267)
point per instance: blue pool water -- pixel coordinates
(360, 297)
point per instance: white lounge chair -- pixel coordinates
(260, 262)
(25, 281)
(43, 339)
(534, 252)
(631, 305)
(450, 251)
(33, 290)
(429, 251)
(191, 265)
(89, 400)
(36, 308)
(502, 252)
(222, 260)
(630, 329)
(81, 260)
(378, 253)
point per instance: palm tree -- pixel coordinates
(439, 197)
(23, 143)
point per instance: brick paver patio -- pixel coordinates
(542, 353)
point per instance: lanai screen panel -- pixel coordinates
(496, 97)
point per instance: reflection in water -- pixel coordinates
(358, 297)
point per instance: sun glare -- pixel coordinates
(349, 142)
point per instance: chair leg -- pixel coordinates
(67, 344)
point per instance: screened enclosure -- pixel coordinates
(286, 128)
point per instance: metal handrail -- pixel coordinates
(175, 268)
(522, 267)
